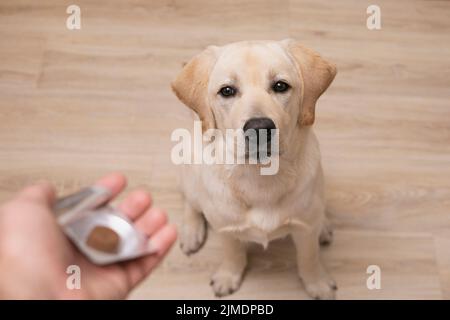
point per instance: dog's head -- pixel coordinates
(259, 85)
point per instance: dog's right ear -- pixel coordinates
(191, 85)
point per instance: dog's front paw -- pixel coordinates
(193, 235)
(225, 282)
(324, 289)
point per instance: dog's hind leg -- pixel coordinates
(193, 230)
(326, 234)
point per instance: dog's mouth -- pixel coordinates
(261, 146)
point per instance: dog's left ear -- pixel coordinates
(316, 74)
(191, 85)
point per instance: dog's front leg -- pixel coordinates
(193, 230)
(228, 276)
(316, 280)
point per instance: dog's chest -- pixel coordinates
(260, 216)
(257, 225)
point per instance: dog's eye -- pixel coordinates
(280, 86)
(227, 91)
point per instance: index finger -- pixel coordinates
(114, 182)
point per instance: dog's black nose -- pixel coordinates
(259, 124)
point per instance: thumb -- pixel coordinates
(42, 192)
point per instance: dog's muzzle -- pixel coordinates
(258, 136)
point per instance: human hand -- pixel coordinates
(35, 253)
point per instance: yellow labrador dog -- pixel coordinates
(262, 85)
